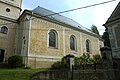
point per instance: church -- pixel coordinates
(41, 36)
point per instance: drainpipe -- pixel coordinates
(28, 39)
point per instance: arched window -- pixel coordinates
(73, 43)
(88, 46)
(53, 38)
(4, 30)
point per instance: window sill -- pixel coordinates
(73, 51)
(89, 52)
(52, 47)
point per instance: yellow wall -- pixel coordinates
(38, 41)
(14, 11)
(39, 38)
(7, 41)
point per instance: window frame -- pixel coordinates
(4, 29)
(88, 46)
(74, 43)
(55, 46)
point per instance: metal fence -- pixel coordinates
(77, 75)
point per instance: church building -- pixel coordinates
(41, 36)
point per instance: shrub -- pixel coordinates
(96, 58)
(15, 61)
(86, 60)
(79, 62)
(59, 64)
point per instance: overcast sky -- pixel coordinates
(96, 15)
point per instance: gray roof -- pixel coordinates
(54, 16)
(115, 14)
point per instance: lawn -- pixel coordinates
(17, 74)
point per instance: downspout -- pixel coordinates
(28, 42)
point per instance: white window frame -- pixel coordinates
(75, 42)
(90, 48)
(56, 43)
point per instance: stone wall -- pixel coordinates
(76, 75)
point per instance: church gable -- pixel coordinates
(115, 15)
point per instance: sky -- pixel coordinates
(87, 17)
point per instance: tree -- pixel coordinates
(105, 36)
(95, 30)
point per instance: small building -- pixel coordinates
(113, 26)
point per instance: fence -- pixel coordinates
(77, 75)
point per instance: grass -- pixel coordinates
(17, 74)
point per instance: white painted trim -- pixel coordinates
(21, 35)
(47, 60)
(81, 43)
(64, 41)
(28, 40)
(90, 46)
(42, 56)
(29, 37)
(75, 43)
(5, 35)
(57, 37)
(48, 38)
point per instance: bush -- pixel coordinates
(96, 58)
(15, 61)
(59, 64)
(86, 60)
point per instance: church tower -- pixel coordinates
(10, 8)
(9, 14)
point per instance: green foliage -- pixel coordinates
(76, 59)
(15, 61)
(105, 36)
(79, 61)
(59, 64)
(94, 29)
(96, 58)
(86, 59)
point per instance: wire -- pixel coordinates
(80, 8)
(66, 11)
